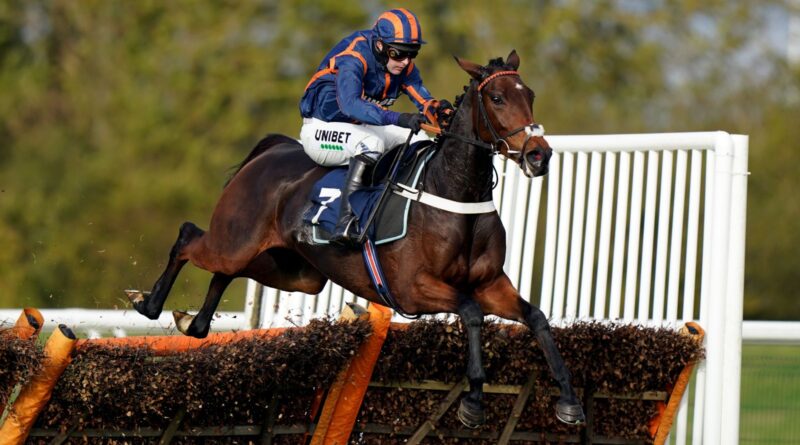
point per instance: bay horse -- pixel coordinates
(447, 263)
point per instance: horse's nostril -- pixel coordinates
(535, 156)
(536, 162)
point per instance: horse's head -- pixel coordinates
(502, 113)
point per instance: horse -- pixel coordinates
(448, 262)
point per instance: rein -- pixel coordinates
(446, 134)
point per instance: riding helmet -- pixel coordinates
(399, 28)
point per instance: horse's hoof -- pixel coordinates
(182, 321)
(136, 296)
(471, 414)
(570, 413)
(139, 301)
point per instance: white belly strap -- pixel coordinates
(464, 208)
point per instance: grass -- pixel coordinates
(770, 395)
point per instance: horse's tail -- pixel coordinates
(262, 146)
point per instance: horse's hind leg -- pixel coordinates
(198, 325)
(568, 408)
(470, 412)
(151, 305)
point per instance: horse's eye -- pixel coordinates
(496, 99)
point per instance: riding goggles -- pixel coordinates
(399, 55)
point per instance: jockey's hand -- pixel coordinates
(444, 113)
(411, 121)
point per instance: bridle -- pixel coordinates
(531, 129)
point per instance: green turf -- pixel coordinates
(770, 397)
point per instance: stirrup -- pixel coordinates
(345, 238)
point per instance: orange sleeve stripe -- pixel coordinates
(412, 22)
(316, 76)
(350, 52)
(386, 88)
(355, 54)
(410, 68)
(354, 42)
(332, 62)
(414, 94)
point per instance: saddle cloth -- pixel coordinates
(391, 221)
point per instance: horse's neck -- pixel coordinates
(461, 172)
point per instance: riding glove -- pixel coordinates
(411, 121)
(444, 105)
(444, 113)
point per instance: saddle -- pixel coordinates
(391, 221)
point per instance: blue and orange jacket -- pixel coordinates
(350, 85)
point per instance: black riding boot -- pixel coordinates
(345, 233)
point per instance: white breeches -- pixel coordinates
(334, 143)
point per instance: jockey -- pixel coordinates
(345, 105)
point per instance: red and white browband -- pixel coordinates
(495, 75)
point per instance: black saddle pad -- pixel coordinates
(391, 222)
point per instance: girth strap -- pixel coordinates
(379, 281)
(464, 208)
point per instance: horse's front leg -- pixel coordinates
(501, 298)
(568, 408)
(470, 412)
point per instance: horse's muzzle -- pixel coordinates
(536, 162)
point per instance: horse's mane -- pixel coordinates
(262, 146)
(497, 63)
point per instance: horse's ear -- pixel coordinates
(473, 69)
(513, 60)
